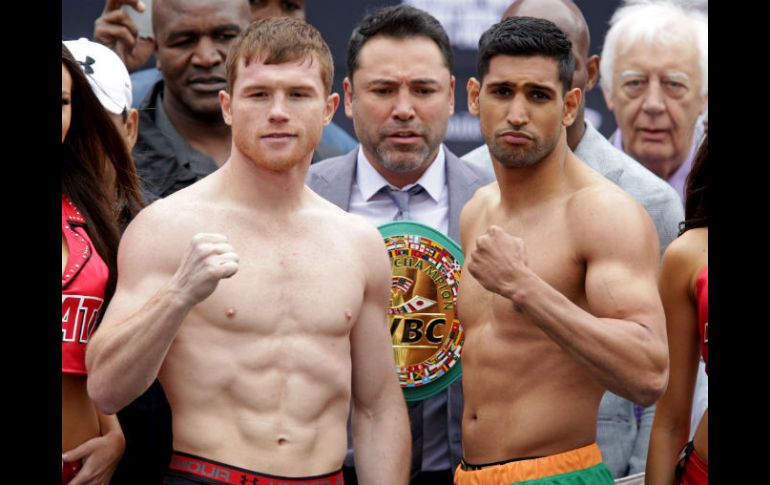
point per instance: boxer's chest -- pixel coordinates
(286, 285)
(549, 253)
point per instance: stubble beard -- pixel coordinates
(403, 159)
(275, 162)
(518, 157)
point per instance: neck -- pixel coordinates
(207, 134)
(527, 186)
(576, 131)
(664, 169)
(268, 191)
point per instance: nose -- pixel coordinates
(653, 99)
(206, 54)
(517, 112)
(278, 112)
(403, 110)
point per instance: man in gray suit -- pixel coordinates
(399, 91)
(623, 429)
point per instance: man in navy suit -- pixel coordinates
(399, 92)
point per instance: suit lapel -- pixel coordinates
(336, 184)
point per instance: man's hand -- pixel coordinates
(116, 30)
(499, 261)
(100, 457)
(208, 259)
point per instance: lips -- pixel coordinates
(650, 134)
(278, 136)
(516, 137)
(403, 136)
(207, 84)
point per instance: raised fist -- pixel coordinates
(498, 261)
(208, 259)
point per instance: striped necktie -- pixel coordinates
(401, 199)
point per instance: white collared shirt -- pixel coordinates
(430, 207)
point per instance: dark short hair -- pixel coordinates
(400, 21)
(527, 36)
(276, 40)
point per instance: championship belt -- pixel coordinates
(427, 336)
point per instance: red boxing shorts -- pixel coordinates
(69, 470)
(195, 469)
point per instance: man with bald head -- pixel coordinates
(620, 435)
(182, 136)
(115, 29)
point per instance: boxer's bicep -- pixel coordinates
(619, 244)
(145, 263)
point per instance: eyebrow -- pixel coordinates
(668, 74)
(411, 81)
(631, 73)
(194, 33)
(527, 85)
(266, 87)
(677, 75)
(224, 28)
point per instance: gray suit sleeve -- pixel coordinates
(638, 460)
(667, 216)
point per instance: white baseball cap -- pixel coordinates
(106, 73)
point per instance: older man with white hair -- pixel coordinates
(654, 76)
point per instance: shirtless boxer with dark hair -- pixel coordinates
(559, 301)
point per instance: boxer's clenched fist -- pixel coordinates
(208, 259)
(498, 261)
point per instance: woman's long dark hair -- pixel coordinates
(696, 206)
(91, 142)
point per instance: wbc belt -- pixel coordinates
(426, 334)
